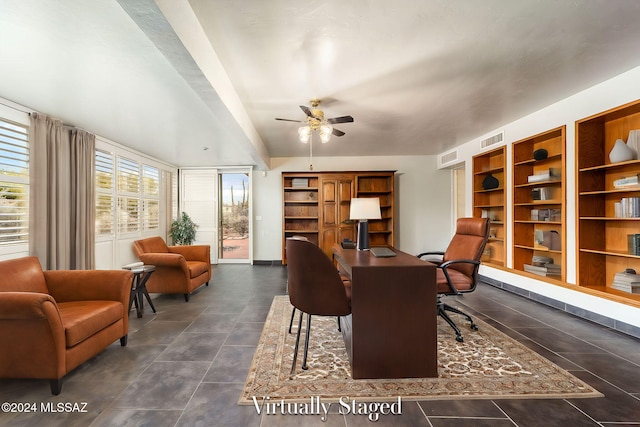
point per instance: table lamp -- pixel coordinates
(364, 209)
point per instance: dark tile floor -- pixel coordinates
(186, 365)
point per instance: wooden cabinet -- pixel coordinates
(602, 232)
(316, 206)
(490, 202)
(539, 205)
(337, 191)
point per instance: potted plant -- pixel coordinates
(183, 230)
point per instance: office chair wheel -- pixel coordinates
(459, 338)
(473, 327)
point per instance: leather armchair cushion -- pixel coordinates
(461, 281)
(82, 319)
(151, 245)
(24, 275)
(196, 268)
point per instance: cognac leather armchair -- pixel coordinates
(457, 271)
(179, 269)
(53, 321)
(315, 288)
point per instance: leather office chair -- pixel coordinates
(315, 288)
(457, 271)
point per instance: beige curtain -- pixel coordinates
(61, 224)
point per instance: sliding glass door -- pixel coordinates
(234, 225)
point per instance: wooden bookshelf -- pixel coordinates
(490, 202)
(381, 186)
(602, 249)
(316, 206)
(534, 215)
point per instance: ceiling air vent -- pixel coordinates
(449, 157)
(494, 139)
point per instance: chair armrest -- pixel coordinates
(32, 336)
(193, 252)
(89, 285)
(429, 253)
(444, 265)
(28, 305)
(163, 259)
(436, 257)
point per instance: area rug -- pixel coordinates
(487, 365)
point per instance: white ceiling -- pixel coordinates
(170, 77)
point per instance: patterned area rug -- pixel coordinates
(487, 365)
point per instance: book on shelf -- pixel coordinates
(632, 289)
(627, 207)
(543, 266)
(628, 181)
(300, 182)
(545, 214)
(544, 270)
(633, 241)
(551, 174)
(626, 282)
(543, 193)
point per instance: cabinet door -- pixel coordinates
(336, 198)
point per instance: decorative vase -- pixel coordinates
(620, 152)
(633, 142)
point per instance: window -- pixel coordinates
(104, 193)
(14, 183)
(127, 195)
(150, 200)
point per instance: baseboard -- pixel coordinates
(617, 325)
(273, 263)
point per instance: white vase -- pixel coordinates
(633, 142)
(620, 152)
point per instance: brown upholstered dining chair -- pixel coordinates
(458, 266)
(315, 288)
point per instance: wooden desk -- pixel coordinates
(391, 332)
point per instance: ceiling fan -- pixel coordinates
(315, 121)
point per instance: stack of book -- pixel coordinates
(543, 266)
(300, 182)
(551, 174)
(627, 282)
(628, 181)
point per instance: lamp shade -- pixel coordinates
(365, 208)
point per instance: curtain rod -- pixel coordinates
(15, 108)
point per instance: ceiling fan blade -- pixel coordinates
(288, 120)
(306, 110)
(343, 119)
(337, 132)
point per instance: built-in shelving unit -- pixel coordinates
(490, 202)
(602, 246)
(539, 206)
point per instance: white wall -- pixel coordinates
(612, 93)
(423, 200)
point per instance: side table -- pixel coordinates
(139, 291)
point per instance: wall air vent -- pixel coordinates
(494, 139)
(449, 157)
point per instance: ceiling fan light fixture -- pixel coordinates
(325, 133)
(304, 133)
